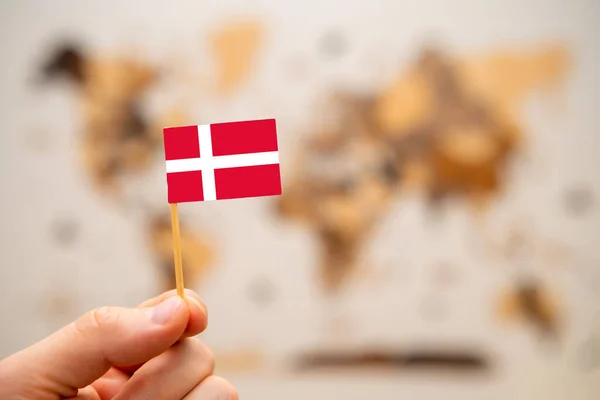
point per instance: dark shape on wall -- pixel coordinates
(64, 231)
(465, 361)
(66, 61)
(579, 200)
(261, 292)
(333, 44)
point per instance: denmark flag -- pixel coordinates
(222, 161)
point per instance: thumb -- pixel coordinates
(86, 349)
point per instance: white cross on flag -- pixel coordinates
(222, 161)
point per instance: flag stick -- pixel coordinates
(177, 249)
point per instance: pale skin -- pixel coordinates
(147, 352)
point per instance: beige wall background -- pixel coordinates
(44, 285)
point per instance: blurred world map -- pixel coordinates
(439, 200)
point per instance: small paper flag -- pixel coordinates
(222, 161)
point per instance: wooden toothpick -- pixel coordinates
(177, 249)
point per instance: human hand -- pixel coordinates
(121, 353)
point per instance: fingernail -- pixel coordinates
(202, 306)
(163, 312)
